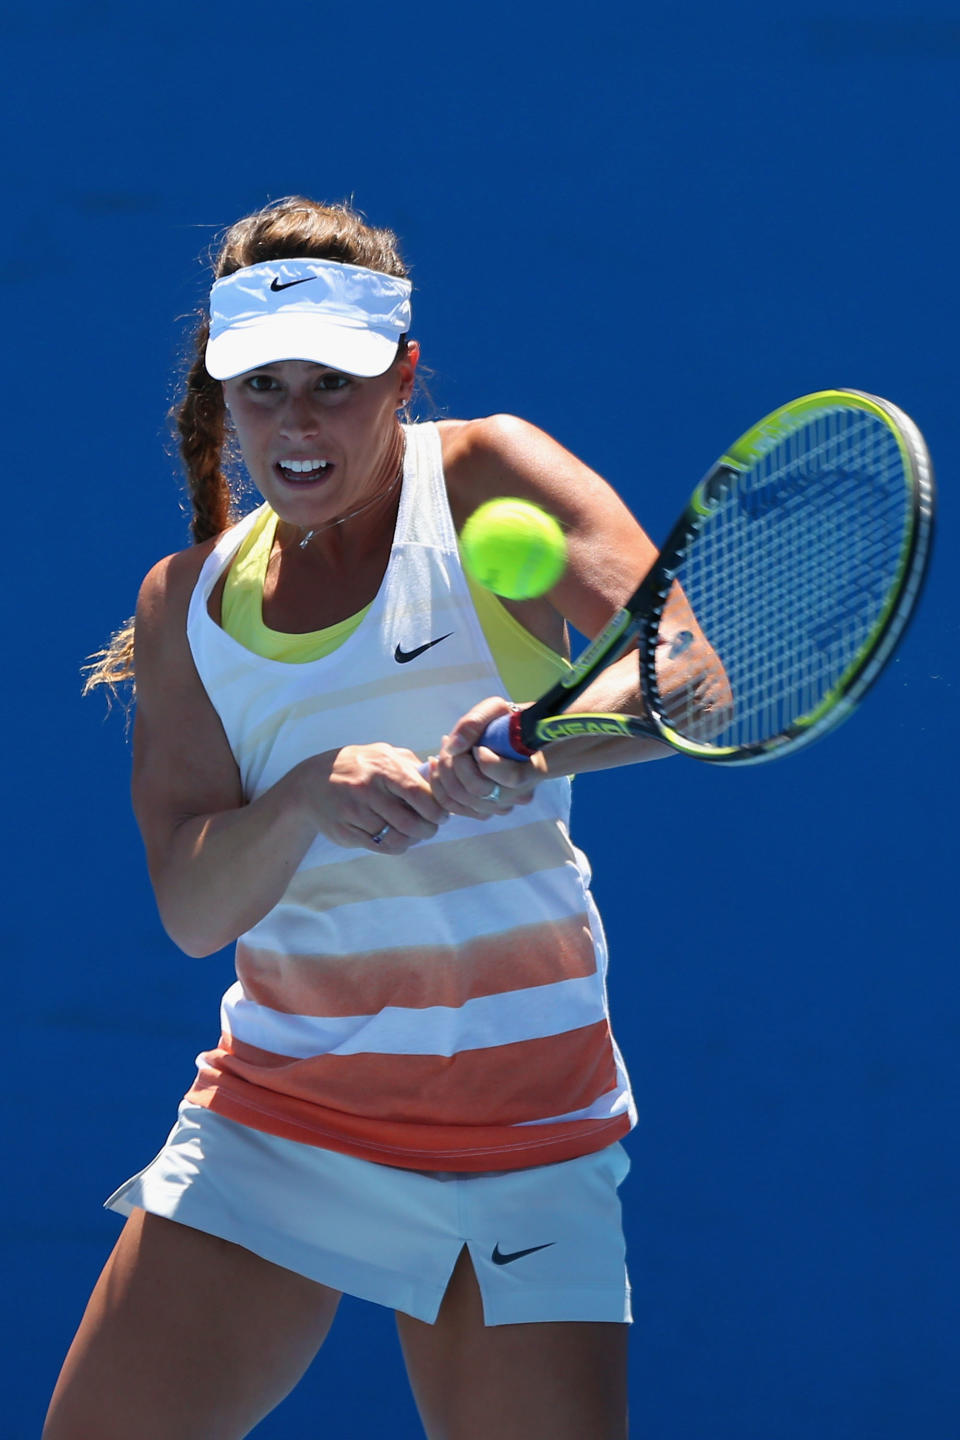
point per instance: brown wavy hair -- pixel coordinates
(286, 229)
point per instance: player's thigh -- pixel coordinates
(549, 1381)
(186, 1335)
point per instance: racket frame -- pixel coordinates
(639, 618)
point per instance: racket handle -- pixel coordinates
(502, 736)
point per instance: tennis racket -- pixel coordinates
(778, 597)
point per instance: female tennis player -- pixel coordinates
(415, 1096)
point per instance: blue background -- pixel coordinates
(641, 228)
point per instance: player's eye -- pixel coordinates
(260, 383)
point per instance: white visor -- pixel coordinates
(344, 316)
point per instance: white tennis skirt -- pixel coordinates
(546, 1243)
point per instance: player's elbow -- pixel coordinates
(712, 717)
(699, 702)
(193, 924)
(192, 934)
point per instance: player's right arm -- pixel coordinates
(217, 863)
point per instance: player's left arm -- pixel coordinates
(608, 552)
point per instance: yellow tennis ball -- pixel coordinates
(513, 548)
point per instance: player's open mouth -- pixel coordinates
(303, 472)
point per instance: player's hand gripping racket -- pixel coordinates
(801, 556)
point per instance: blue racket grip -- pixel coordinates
(496, 737)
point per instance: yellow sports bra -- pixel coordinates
(527, 665)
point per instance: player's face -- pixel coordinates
(317, 442)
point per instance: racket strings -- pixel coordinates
(792, 574)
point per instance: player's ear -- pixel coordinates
(406, 371)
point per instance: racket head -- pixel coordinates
(802, 554)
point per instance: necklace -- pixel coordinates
(342, 519)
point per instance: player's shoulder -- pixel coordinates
(489, 437)
(168, 585)
(507, 455)
(491, 456)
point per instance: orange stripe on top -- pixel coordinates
(363, 984)
(420, 1147)
(413, 1123)
(507, 1084)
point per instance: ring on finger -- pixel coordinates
(494, 794)
(380, 835)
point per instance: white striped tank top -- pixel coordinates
(441, 1010)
